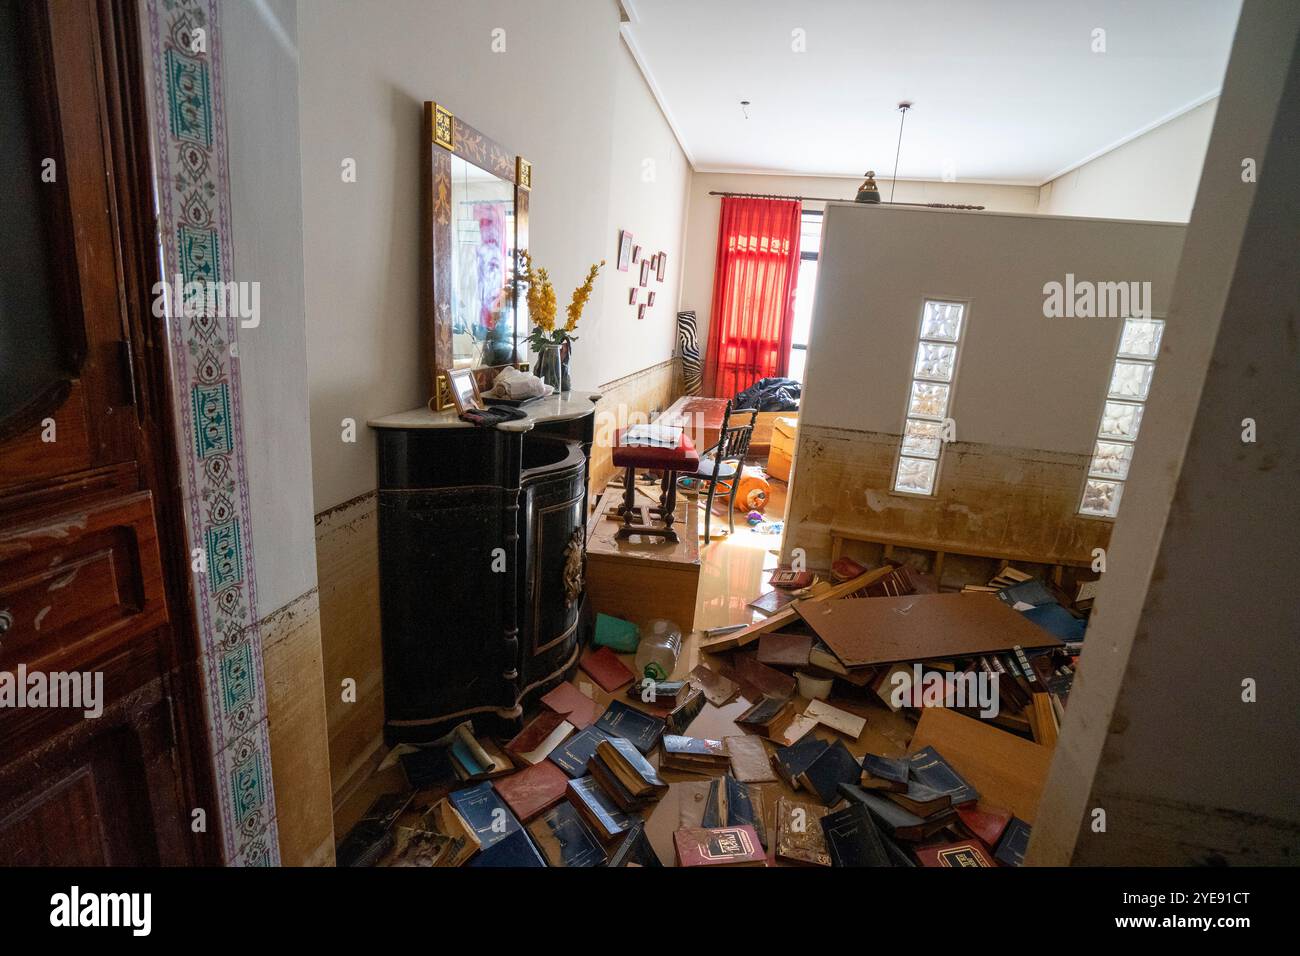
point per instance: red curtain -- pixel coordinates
(753, 293)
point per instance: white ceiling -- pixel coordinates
(1005, 91)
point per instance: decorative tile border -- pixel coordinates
(188, 139)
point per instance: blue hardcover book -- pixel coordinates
(793, 760)
(479, 806)
(513, 850)
(730, 804)
(852, 838)
(1057, 621)
(1015, 841)
(886, 768)
(460, 750)
(930, 770)
(1032, 592)
(642, 729)
(565, 840)
(599, 810)
(833, 766)
(572, 755)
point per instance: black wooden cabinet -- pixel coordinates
(481, 559)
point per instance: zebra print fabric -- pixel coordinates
(688, 347)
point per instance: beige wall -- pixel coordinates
(1156, 733)
(1028, 392)
(565, 94)
(703, 213)
(1152, 177)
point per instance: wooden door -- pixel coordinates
(93, 568)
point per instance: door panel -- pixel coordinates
(92, 545)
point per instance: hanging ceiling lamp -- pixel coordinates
(869, 192)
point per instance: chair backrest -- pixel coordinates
(733, 440)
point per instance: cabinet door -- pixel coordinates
(92, 559)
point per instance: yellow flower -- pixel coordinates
(580, 296)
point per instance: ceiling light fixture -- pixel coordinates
(744, 108)
(903, 107)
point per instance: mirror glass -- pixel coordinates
(482, 267)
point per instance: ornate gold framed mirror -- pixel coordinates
(474, 222)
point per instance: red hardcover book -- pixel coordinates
(719, 846)
(533, 789)
(572, 704)
(984, 821)
(969, 853)
(606, 669)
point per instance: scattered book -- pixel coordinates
(731, 803)
(419, 847)
(661, 692)
(1015, 841)
(642, 729)
(487, 815)
(572, 754)
(606, 669)
(777, 720)
(634, 849)
(930, 770)
(893, 820)
(616, 634)
(965, 854)
(513, 850)
(443, 818)
(684, 714)
(473, 759)
(841, 721)
(695, 754)
(717, 690)
(533, 789)
(539, 737)
(791, 761)
(799, 837)
(719, 846)
(833, 766)
(626, 775)
(920, 799)
(571, 704)
(984, 822)
(749, 760)
(596, 807)
(565, 840)
(852, 838)
(884, 773)
(371, 838)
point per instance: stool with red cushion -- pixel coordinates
(680, 457)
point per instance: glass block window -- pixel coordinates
(1121, 416)
(929, 396)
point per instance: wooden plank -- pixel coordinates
(919, 627)
(787, 614)
(1007, 770)
(1043, 719)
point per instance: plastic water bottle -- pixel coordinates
(656, 655)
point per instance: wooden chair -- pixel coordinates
(721, 464)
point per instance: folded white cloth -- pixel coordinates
(514, 384)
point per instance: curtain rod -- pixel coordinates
(928, 205)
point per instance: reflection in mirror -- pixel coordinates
(482, 267)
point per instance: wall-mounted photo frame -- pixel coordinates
(659, 268)
(645, 272)
(624, 250)
(650, 299)
(631, 294)
(636, 253)
(640, 311)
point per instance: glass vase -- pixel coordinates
(549, 367)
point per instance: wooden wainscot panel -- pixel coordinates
(80, 583)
